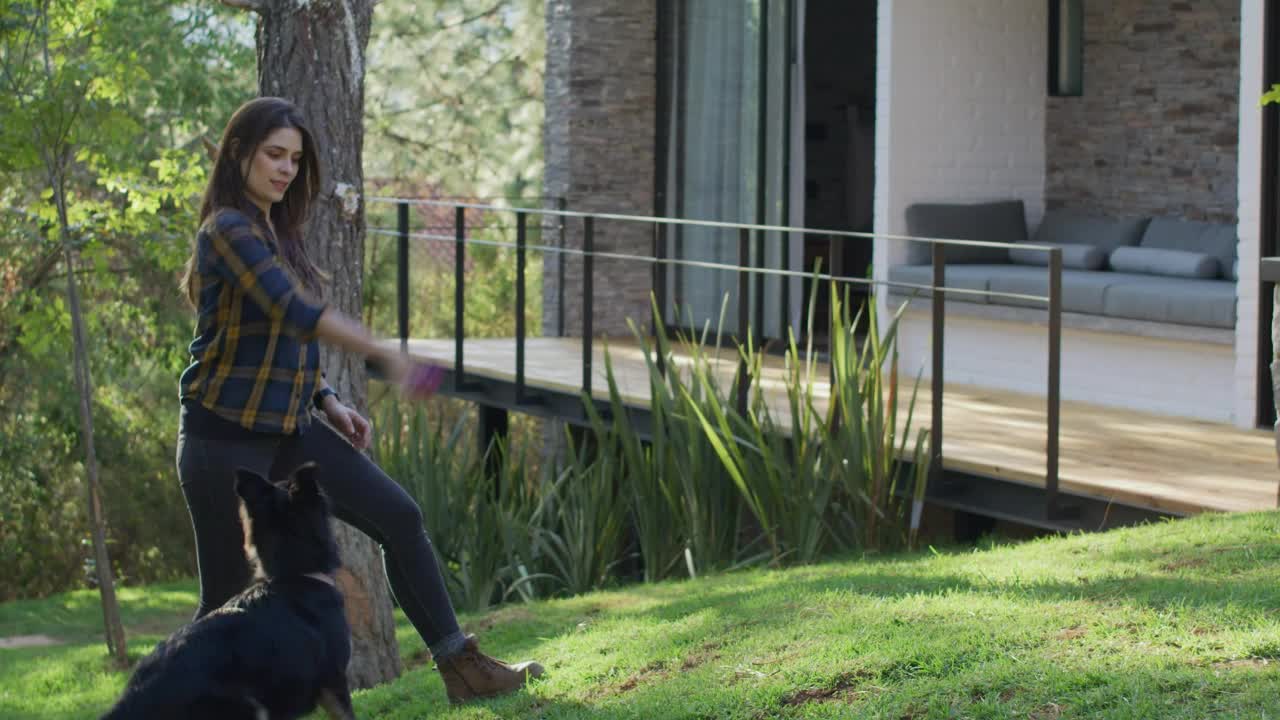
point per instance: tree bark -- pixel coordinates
(312, 53)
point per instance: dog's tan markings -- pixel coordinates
(250, 550)
(259, 710)
(333, 708)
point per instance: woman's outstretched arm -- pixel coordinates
(338, 329)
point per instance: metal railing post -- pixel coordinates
(744, 315)
(562, 205)
(937, 342)
(521, 245)
(1052, 508)
(588, 298)
(459, 294)
(402, 273)
(659, 294)
(834, 292)
(655, 279)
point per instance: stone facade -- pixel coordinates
(601, 106)
(1156, 130)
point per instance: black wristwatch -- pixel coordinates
(321, 394)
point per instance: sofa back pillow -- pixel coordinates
(1071, 227)
(1158, 261)
(1004, 221)
(1075, 256)
(1216, 239)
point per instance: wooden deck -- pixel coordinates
(1154, 461)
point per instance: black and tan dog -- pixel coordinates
(278, 649)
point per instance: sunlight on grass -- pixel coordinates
(1175, 620)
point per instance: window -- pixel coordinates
(1066, 48)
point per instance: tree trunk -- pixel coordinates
(312, 53)
(114, 628)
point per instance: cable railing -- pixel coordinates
(744, 268)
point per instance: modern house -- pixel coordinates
(1127, 116)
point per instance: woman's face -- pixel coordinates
(273, 166)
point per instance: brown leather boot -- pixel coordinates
(471, 674)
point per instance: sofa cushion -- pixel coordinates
(1082, 290)
(1158, 261)
(1073, 227)
(1003, 221)
(1215, 239)
(965, 277)
(1211, 303)
(1075, 256)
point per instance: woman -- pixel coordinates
(254, 379)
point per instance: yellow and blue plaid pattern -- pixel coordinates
(255, 359)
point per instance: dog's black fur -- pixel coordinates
(276, 650)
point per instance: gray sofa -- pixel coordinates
(1152, 269)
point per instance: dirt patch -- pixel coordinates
(1006, 695)
(655, 670)
(701, 656)
(26, 641)
(1244, 664)
(842, 689)
(652, 671)
(1052, 711)
(1072, 633)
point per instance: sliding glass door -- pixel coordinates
(725, 118)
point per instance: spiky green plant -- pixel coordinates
(866, 445)
(479, 522)
(579, 523)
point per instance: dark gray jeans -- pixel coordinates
(361, 495)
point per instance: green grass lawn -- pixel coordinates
(1178, 620)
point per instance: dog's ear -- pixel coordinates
(252, 487)
(304, 485)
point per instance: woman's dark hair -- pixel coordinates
(247, 129)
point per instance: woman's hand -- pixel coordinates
(348, 422)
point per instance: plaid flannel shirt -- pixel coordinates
(255, 359)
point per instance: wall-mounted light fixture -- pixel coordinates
(1066, 47)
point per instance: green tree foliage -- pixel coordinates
(454, 97)
(127, 90)
(454, 108)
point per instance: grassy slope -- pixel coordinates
(1179, 620)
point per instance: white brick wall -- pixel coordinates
(961, 117)
(960, 114)
(961, 111)
(1250, 211)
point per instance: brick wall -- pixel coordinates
(1156, 130)
(601, 104)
